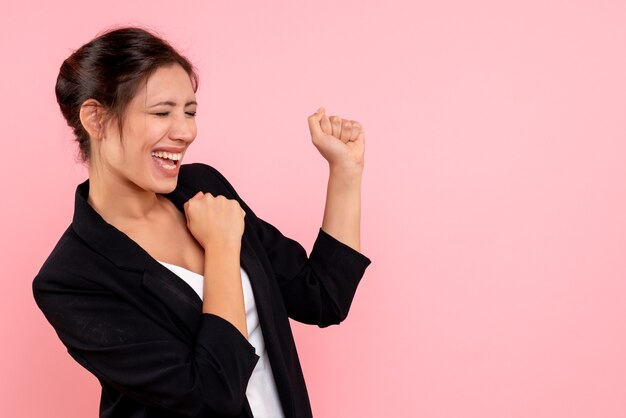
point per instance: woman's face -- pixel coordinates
(159, 125)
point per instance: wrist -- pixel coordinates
(221, 249)
(348, 171)
(342, 181)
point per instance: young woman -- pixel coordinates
(166, 286)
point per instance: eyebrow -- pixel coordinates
(171, 103)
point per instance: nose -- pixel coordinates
(183, 128)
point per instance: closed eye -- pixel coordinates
(163, 114)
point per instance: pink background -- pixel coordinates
(494, 193)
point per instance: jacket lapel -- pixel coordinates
(169, 288)
(126, 254)
(248, 257)
(176, 294)
(258, 280)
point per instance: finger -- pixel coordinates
(356, 130)
(314, 122)
(186, 211)
(361, 136)
(335, 121)
(327, 128)
(192, 197)
(346, 130)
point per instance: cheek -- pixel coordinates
(143, 138)
(156, 130)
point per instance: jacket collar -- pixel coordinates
(126, 254)
(106, 239)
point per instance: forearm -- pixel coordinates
(342, 212)
(223, 292)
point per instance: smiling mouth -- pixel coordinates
(168, 160)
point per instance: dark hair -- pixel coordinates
(110, 69)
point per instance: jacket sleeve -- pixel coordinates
(120, 345)
(316, 289)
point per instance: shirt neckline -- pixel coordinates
(182, 268)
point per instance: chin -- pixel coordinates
(165, 186)
(163, 181)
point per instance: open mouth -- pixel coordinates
(167, 160)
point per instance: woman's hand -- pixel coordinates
(340, 141)
(215, 220)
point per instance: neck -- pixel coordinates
(118, 200)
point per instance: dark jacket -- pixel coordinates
(139, 328)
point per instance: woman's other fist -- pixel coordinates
(340, 141)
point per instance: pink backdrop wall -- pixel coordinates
(494, 194)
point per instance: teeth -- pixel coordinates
(168, 155)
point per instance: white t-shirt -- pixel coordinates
(261, 391)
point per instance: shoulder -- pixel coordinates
(67, 264)
(194, 170)
(63, 253)
(199, 175)
(206, 178)
(58, 272)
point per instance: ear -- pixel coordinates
(92, 118)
